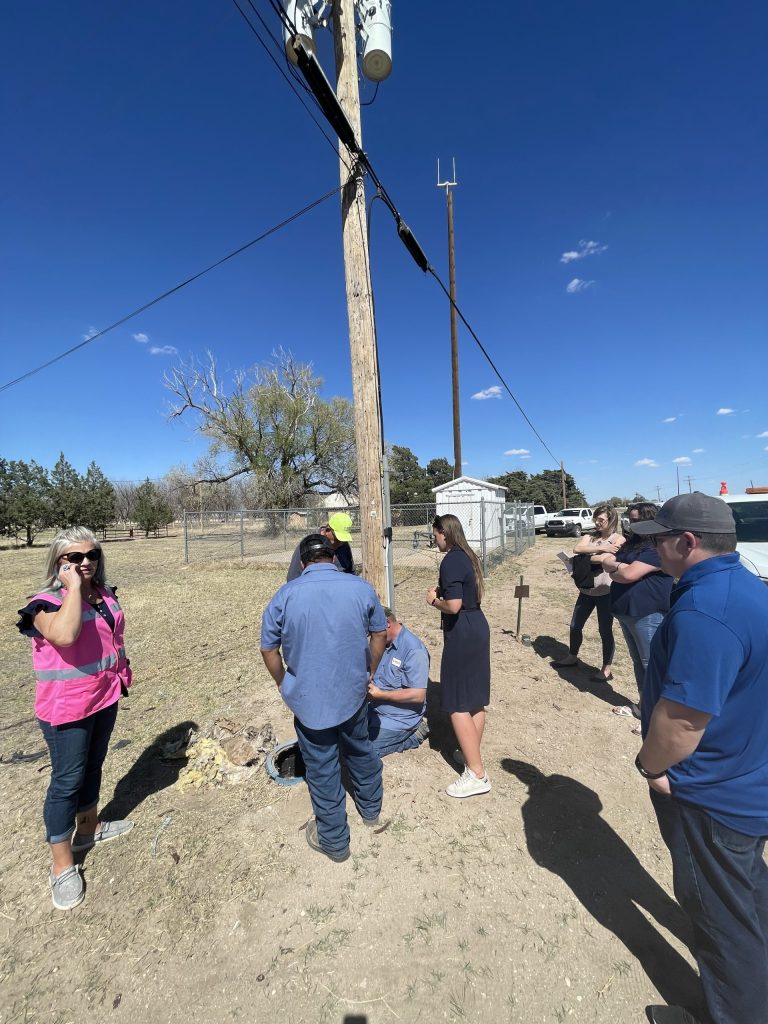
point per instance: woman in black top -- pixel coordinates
(465, 671)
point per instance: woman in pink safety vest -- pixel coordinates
(76, 627)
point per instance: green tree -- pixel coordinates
(150, 509)
(516, 483)
(546, 488)
(68, 504)
(98, 499)
(408, 481)
(25, 499)
(439, 471)
(273, 425)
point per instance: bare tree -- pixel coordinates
(272, 425)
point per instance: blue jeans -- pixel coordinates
(77, 751)
(721, 882)
(638, 632)
(393, 741)
(584, 607)
(320, 749)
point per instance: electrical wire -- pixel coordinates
(416, 251)
(183, 284)
(291, 86)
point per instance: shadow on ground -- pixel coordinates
(149, 774)
(578, 676)
(566, 835)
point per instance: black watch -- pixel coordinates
(646, 774)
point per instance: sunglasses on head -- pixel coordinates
(76, 557)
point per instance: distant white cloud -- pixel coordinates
(141, 338)
(585, 248)
(163, 350)
(699, 451)
(492, 392)
(90, 333)
(525, 456)
(593, 462)
(577, 285)
(683, 460)
(764, 434)
(652, 463)
(669, 419)
(523, 452)
(724, 412)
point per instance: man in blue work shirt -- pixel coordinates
(705, 753)
(398, 692)
(323, 621)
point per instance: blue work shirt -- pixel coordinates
(321, 621)
(404, 665)
(711, 653)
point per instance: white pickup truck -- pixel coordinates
(540, 518)
(570, 522)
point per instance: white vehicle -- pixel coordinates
(541, 517)
(571, 522)
(751, 514)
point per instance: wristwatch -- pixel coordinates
(646, 774)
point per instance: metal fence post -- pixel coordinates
(186, 539)
(483, 548)
(285, 530)
(242, 534)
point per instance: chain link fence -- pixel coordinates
(271, 535)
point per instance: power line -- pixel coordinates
(287, 78)
(405, 233)
(183, 284)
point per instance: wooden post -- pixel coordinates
(362, 337)
(454, 342)
(562, 484)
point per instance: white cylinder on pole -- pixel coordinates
(377, 31)
(298, 13)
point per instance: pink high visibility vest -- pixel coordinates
(77, 681)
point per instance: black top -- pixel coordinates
(26, 624)
(647, 595)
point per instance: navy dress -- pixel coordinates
(465, 669)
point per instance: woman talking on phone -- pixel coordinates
(465, 669)
(76, 627)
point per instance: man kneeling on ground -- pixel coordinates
(397, 693)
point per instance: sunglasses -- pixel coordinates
(77, 557)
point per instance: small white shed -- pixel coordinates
(480, 508)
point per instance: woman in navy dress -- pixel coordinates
(465, 671)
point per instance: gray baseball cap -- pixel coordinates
(697, 512)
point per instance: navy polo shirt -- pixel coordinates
(711, 653)
(405, 665)
(322, 620)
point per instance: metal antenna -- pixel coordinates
(446, 184)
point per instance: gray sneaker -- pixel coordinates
(108, 830)
(67, 889)
(468, 784)
(314, 841)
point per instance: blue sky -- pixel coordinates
(610, 228)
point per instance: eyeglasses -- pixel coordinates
(77, 557)
(655, 538)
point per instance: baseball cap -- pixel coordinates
(697, 512)
(313, 546)
(341, 524)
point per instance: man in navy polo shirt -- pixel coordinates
(705, 753)
(398, 692)
(322, 621)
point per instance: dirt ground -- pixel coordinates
(547, 900)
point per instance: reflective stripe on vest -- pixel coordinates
(45, 676)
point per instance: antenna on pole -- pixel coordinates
(448, 185)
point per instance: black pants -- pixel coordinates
(585, 605)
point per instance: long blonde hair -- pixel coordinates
(59, 544)
(450, 526)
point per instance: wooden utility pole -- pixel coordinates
(447, 185)
(562, 484)
(362, 336)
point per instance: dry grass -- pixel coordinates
(215, 907)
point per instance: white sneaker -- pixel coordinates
(468, 784)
